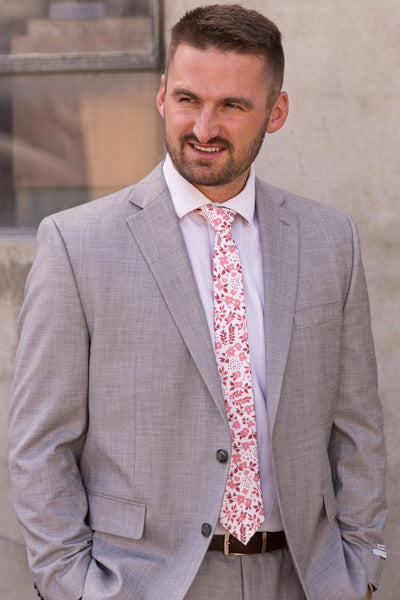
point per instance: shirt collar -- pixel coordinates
(186, 197)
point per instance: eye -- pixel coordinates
(185, 99)
(234, 106)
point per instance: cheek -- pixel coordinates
(178, 124)
(255, 129)
(243, 129)
(243, 135)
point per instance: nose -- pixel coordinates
(206, 125)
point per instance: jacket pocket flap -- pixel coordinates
(330, 502)
(115, 516)
(317, 315)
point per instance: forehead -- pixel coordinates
(213, 69)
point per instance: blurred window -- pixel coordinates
(78, 118)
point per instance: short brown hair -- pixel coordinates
(231, 28)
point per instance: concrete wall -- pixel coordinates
(16, 255)
(341, 147)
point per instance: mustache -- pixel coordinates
(215, 141)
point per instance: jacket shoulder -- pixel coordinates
(304, 208)
(114, 206)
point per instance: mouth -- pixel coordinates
(206, 151)
(209, 149)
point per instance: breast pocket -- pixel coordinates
(317, 315)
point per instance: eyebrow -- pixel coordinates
(229, 100)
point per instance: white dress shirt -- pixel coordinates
(199, 239)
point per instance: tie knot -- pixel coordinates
(218, 217)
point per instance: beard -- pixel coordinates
(201, 172)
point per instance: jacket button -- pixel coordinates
(206, 530)
(222, 456)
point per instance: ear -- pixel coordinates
(279, 113)
(161, 96)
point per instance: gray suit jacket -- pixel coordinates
(117, 410)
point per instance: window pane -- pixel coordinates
(67, 137)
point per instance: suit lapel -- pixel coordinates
(157, 233)
(279, 241)
(168, 261)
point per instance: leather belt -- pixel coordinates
(260, 543)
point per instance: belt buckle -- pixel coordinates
(226, 547)
(264, 542)
(227, 542)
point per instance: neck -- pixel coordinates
(222, 193)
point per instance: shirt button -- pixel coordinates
(222, 456)
(206, 530)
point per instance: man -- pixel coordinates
(168, 441)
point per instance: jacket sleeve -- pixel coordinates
(357, 447)
(48, 421)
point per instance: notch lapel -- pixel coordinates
(280, 244)
(156, 230)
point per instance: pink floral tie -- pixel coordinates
(242, 507)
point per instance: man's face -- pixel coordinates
(215, 110)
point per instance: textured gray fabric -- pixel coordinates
(117, 409)
(258, 577)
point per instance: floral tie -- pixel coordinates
(242, 507)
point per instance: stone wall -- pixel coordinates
(340, 146)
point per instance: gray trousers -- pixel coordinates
(269, 576)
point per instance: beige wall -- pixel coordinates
(340, 146)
